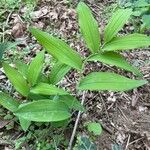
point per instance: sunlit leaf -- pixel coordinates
(58, 71)
(71, 102)
(24, 123)
(116, 59)
(44, 111)
(18, 81)
(89, 27)
(8, 102)
(127, 42)
(108, 81)
(115, 24)
(22, 68)
(58, 49)
(47, 89)
(35, 68)
(94, 127)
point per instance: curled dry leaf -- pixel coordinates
(18, 27)
(40, 13)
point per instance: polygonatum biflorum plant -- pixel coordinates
(47, 102)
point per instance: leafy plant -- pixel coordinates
(28, 80)
(47, 102)
(141, 13)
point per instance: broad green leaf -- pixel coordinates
(60, 124)
(108, 81)
(22, 68)
(71, 102)
(58, 49)
(35, 68)
(58, 71)
(115, 24)
(127, 42)
(89, 27)
(44, 111)
(43, 78)
(47, 89)
(94, 127)
(116, 59)
(8, 102)
(18, 81)
(24, 123)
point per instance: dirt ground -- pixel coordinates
(125, 116)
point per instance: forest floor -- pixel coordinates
(124, 116)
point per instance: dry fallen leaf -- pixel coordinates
(39, 13)
(18, 27)
(3, 123)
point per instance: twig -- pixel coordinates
(135, 141)
(76, 124)
(104, 106)
(128, 142)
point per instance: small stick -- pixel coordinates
(135, 141)
(128, 142)
(76, 124)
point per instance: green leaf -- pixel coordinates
(35, 68)
(60, 124)
(44, 111)
(47, 89)
(89, 27)
(127, 42)
(43, 78)
(18, 81)
(58, 71)
(115, 24)
(24, 123)
(94, 127)
(58, 49)
(71, 102)
(146, 20)
(8, 102)
(108, 81)
(22, 68)
(116, 59)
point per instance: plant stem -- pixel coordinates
(76, 124)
